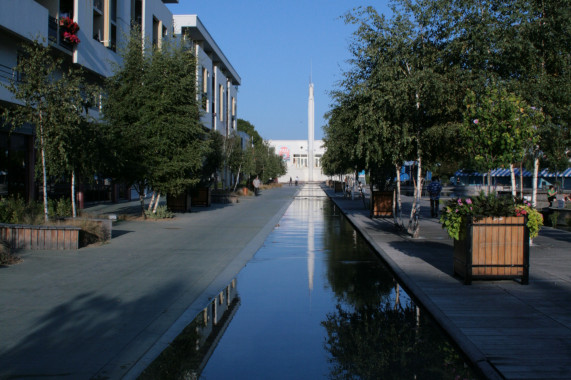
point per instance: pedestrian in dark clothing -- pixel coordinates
(551, 192)
(434, 189)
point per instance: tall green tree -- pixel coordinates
(171, 119)
(51, 100)
(122, 111)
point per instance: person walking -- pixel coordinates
(290, 181)
(434, 189)
(296, 180)
(256, 184)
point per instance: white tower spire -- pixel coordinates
(310, 131)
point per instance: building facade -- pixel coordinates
(217, 80)
(104, 26)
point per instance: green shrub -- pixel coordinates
(59, 208)
(6, 256)
(15, 210)
(553, 218)
(162, 213)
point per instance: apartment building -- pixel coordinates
(217, 80)
(84, 32)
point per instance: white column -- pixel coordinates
(310, 132)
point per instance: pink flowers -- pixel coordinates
(476, 121)
(69, 29)
(71, 38)
(469, 201)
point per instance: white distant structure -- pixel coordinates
(302, 157)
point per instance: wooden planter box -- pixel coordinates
(493, 249)
(338, 187)
(201, 196)
(381, 204)
(179, 203)
(22, 236)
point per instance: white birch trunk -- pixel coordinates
(156, 203)
(521, 180)
(395, 198)
(44, 171)
(237, 177)
(512, 174)
(399, 199)
(152, 201)
(73, 206)
(534, 182)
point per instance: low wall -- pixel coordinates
(22, 236)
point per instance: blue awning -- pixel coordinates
(500, 172)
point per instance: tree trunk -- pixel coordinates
(73, 207)
(398, 207)
(534, 182)
(489, 181)
(238, 177)
(156, 203)
(521, 180)
(44, 171)
(512, 174)
(414, 229)
(152, 201)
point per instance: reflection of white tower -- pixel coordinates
(310, 130)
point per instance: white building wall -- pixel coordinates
(223, 80)
(296, 156)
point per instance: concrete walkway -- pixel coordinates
(105, 312)
(510, 331)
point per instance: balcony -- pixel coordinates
(55, 34)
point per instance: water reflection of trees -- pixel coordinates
(354, 273)
(389, 342)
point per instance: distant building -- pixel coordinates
(302, 157)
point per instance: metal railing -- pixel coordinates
(55, 35)
(6, 73)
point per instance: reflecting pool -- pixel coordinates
(315, 302)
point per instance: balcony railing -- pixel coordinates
(55, 34)
(6, 73)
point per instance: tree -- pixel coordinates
(499, 128)
(52, 101)
(170, 117)
(122, 107)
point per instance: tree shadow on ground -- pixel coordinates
(82, 335)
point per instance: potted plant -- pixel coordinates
(491, 236)
(69, 29)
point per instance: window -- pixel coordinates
(185, 32)
(204, 86)
(300, 160)
(317, 160)
(98, 20)
(137, 12)
(234, 106)
(105, 22)
(156, 31)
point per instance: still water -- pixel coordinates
(315, 302)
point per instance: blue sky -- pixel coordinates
(274, 46)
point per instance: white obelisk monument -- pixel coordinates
(310, 132)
